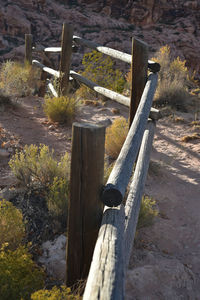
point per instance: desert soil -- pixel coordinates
(165, 262)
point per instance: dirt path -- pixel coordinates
(165, 262)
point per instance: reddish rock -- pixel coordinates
(108, 22)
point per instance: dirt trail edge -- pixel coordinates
(165, 262)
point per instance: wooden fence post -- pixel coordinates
(28, 48)
(139, 66)
(85, 208)
(66, 51)
(44, 76)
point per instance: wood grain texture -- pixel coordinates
(122, 170)
(139, 66)
(28, 48)
(85, 207)
(106, 276)
(133, 201)
(65, 60)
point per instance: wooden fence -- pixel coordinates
(99, 240)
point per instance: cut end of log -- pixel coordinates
(111, 196)
(153, 66)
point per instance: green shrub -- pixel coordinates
(37, 164)
(174, 80)
(115, 137)
(19, 275)
(18, 79)
(62, 109)
(100, 69)
(56, 293)
(56, 198)
(37, 167)
(147, 212)
(11, 224)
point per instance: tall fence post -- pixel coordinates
(85, 208)
(139, 66)
(28, 48)
(66, 51)
(44, 75)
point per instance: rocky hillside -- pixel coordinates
(110, 22)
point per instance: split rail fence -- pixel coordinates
(100, 239)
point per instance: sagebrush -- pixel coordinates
(115, 137)
(19, 275)
(100, 69)
(36, 167)
(11, 223)
(62, 293)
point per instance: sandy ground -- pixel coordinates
(165, 262)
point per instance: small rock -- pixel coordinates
(54, 257)
(51, 127)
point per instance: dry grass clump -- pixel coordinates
(174, 81)
(61, 109)
(191, 137)
(148, 212)
(115, 137)
(11, 224)
(18, 79)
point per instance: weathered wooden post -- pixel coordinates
(28, 48)
(85, 208)
(139, 67)
(44, 75)
(66, 51)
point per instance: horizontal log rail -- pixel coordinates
(125, 57)
(133, 201)
(154, 113)
(106, 276)
(51, 49)
(114, 190)
(46, 69)
(116, 235)
(52, 89)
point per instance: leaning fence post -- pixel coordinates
(28, 48)
(66, 51)
(139, 67)
(85, 208)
